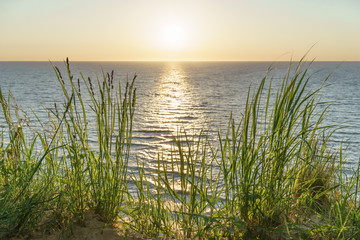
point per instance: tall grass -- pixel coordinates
(271, 175)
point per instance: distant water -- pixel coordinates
(188, 95)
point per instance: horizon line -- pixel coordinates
(139, 61)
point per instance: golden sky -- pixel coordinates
(179, 30)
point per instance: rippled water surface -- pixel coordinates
(188, 95)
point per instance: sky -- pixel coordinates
(179, 30)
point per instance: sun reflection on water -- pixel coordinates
(175, 101)
(174, 108)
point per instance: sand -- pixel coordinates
(93, 229)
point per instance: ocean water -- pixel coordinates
(174, 96)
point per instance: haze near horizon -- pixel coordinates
(185, 30)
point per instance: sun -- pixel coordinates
(173, 36)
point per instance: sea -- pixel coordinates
(191, 97)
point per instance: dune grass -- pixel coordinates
(273, 175)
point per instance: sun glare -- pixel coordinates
(173, 37)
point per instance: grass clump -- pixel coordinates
(271, 175)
